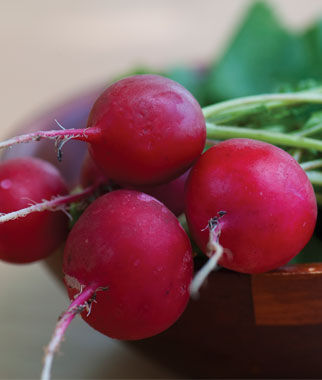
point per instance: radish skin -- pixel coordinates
(36, 236)
(269, 203)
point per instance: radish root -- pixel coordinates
(82, 302)
(55, 204)
(214, 252)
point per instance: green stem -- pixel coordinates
(318, 199)
(269, 101)
(215, 132)
(227, 111)
(297, 154)
(315, 177)
(183, 221)
(309, 131)
(309, 165)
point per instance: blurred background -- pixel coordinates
(52, 51)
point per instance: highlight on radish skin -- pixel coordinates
(25, 181)
(131, 246)
(269, 203)
(135, 128)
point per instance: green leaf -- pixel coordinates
(262, 56)
(311, 253)
(312, 44)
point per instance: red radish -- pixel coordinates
(143, 130)
(152, 130)
(24, 181)
(90, 173)
(255, 200)
(171, 194)
(130, 245)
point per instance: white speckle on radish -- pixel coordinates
(144, 197)
(72, 282)
(228, 253)
(6, 184)
(158, 269)
(183, 289)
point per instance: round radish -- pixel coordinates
(151, 130)
(142, 130)
(171, 194)
(130, 244)
(24, 181)
(91, 174)
(257, 201)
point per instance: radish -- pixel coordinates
(129, 254)
(91, 173)
(171, 194)
(24, 181)
(142, 130)
(250, 206)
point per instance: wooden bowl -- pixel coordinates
(266, 325)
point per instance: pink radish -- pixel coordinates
(171, 194)
(25, 181)
(91, 173)
(129, 253)
(254, 200)
(143, 130)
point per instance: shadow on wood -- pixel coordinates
(267, 325)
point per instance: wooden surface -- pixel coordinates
(218, 335)
(51, 50)
(288, 297)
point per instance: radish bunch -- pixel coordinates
(128, 262)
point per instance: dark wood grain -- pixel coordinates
(289, 296)
(218, 337)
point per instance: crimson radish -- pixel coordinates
(255, 200)
(91, 174)
(24, 181)
(129, 253)
(142, 130)
(171, 194)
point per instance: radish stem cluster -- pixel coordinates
(144, 133)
